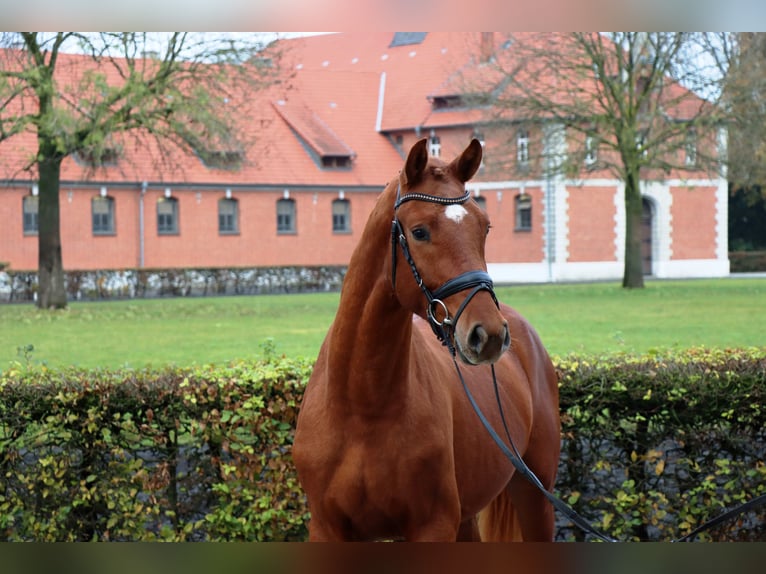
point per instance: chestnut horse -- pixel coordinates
(387, 445)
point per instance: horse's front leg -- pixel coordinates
(439, 523)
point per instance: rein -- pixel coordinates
(444, 331)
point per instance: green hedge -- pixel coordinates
(655, 446)
(175, 454)
(747, 261)
(651, 447)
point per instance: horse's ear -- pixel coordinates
(468, 162)
(416, 163)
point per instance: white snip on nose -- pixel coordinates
(455, 212)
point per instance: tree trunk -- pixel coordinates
(51, 291)
(633, 278)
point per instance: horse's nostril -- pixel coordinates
(478, 338)
(507, 340)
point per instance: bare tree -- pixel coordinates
(637, 105)
(742, 58)
(180, 89)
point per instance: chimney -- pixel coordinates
(486, 47)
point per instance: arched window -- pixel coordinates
(228, 216)
(341, 216)
(286, 216)
(102, 212)
(167, 216)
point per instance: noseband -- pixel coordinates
(478, 280)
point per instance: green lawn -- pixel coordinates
(575, 318)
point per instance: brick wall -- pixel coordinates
(693, 222)
(591, 224)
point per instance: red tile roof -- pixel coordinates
(347, 93)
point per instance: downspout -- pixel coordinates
(550, 223)
(381, 97)
(144, 186)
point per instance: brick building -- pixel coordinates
(324, 149)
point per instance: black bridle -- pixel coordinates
(477, 280)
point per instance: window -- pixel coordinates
(434, 146)
(221, 159)
(30, 208)
(228, 216)
(286, 216)
(641, 143)
(341, 216)
(167, 216)
(102, 209)
(591, 150)
(92, 157)
(336, 162)
(522, 148)
(482, 201)
(691, 147)
(523, 212)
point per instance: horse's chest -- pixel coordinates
(387, 475)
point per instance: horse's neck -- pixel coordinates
(369, 347)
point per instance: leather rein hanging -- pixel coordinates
(477, 280)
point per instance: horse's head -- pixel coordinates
(438, 267)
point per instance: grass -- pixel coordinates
(575, 318)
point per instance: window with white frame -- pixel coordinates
(591, 150)
(341, 216)
(31, 208)
(522, 148)
(228, 216)
(102, 211)
(286, 216)
(434, 146)
(690, 147)
(167, 216)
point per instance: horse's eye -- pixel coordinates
(421, 234)
(488, 228)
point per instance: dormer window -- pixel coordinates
(104, 157)
(336, 162)
(447, 102)
(219, 159)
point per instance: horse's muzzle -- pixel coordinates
(482, 346)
